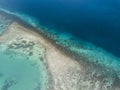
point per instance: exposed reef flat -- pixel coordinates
(59, 65)
(65, 65)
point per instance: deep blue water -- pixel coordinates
(96, 21)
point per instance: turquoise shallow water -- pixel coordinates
(4, 22)
(17, 72)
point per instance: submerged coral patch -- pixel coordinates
(18, 72)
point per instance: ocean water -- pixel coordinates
(88, 28)
(95, 21)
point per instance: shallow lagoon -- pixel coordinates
(17, 72)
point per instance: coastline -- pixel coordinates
(69, 71)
